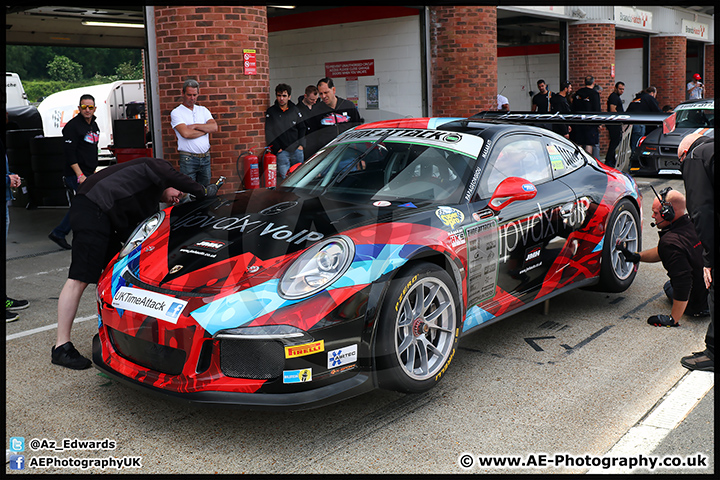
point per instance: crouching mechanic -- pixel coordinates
(680, 252)
(106, 209)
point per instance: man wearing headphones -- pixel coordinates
(680, 252)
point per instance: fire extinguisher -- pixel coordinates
(269, 162)
(251, 170)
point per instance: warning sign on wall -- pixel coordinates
(249, 63)
(354, 68)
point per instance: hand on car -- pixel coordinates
(633, 257)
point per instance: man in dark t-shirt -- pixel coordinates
(614, 104)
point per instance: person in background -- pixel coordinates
(193, 125)
(586, 100)
(503, 104)
(559, 104)
(285, 130)
(614, 105)
(695, 89)
(12, 306)
(335, 114)
(307, 105)
(81, 136)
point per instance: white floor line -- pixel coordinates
(45, 328)
(647, 434)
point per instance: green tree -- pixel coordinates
(62, 68)
(129, 71)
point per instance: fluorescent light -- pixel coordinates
(286, 7)
(91, 23)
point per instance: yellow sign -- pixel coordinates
(304, 349)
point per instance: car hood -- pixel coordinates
(672, 139)
(223, 241)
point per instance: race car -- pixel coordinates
(656, 153)
(364, 267)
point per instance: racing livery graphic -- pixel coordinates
(364, 267)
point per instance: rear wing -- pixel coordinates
(601, 118)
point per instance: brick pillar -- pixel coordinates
(667, 68)
(206, 43)
(591, 51)
(463, 46)
(709, 76)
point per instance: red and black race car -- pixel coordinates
(364, 267)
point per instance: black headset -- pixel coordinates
(667, 212)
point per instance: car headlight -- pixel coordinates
(317, 268)
(143, 231)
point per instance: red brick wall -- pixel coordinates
(667, 68)
(591, 51)
(463, 51)
(709, 77)
(206, 43)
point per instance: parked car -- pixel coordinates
(656, 153)
(364, 267)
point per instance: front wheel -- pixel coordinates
(616, 274)
(418, 330)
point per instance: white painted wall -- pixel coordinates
(519, 74)
(629, 70)
(298, 57)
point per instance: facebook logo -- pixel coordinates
(17, 444)
(17, 462)
(175, 310)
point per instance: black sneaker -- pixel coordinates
(698, 361)
(67, 356)
(14, 305)
(699, 313)
(11, 316)
(60, 241)
(662, 321)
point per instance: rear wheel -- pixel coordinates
(418, 331)
(616, 274)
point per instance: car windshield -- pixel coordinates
(386, 170)
(695, 118)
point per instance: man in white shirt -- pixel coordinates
(695, 88)
(193, 125)
(503, 104)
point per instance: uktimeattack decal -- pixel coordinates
(153, 304)
(465, 144)
(482, 257)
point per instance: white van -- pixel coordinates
(15, 95)
(119, 100)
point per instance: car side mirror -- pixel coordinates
(512, 189)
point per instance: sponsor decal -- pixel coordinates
(304, 349)
(245, 225)
(297, 376)
(381, 203)
(408, 205)
(176, 269)
(342, 356)
(335, 371)
(204, 248)
(449, 216)
(162, 307)
(528, 187)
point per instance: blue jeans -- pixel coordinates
(285, 160)
(64, 228)
(196, 166)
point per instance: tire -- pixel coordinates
(50, 197)
(20, 139)
(51, 180)
(47, 163)
(616, 275)
(417, 341)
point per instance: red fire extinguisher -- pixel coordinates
(269, 162)
(251, 171)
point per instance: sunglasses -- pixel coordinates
(86, 107)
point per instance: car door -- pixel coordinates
(530, 232)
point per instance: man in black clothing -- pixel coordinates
(308, 106)
(697, 154)
(81, 135)
(285, 131)
(541, 100)
(559, 104)
(336, 114)
(680, 252)
(106, 209)
(615, 105)
(644, 101)
(587, 99)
